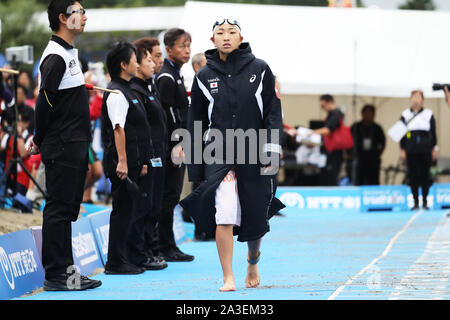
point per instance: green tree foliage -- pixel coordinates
(418, 5)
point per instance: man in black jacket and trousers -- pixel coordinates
(370, 143)
(174, 99)
(62, 137)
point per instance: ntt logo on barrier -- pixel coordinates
(395, 198)
(84, 246)
(295, 199)
(103, 236)
(17, 264)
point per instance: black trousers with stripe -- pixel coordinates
(66, 166)
(419, 176)
(173, 186)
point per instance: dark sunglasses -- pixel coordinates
(229, 21)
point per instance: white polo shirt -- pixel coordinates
(117, 106)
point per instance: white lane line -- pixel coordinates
(430, 273)
(369, 266)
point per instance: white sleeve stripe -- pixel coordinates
(166, 75)
(12, 103)
(210, 99)
(173, 115)
(259, 96)
(271, 147)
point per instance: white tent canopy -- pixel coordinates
(314, 50)
(317, 50)
(128, 19)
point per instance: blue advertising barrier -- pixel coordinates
(179, 232)
(430, 199)
(441, 194)
(100, 227)
(92, 209)
(319, 199)
(384, 198)
(21, 269)
(84, 247)
(364, 199)
(37, 236)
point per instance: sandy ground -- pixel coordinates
(11, 221)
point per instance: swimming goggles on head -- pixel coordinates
(233, 22)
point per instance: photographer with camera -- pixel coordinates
(445, 87)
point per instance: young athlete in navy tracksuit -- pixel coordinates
(236, 91)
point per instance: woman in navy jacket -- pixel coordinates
(233, 91)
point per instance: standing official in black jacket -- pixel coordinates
(234, 92)
(419, 147)
(174, 98)
(156, 117)
(370, 142)
(62, 137)
(128, 149)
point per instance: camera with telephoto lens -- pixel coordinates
(22, 54)
(440, 86)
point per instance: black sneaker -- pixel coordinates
(415, 208)
(71, 283)
(176, 255)
(124, 269)
(426, 208)
(95, 283)
(154, 264)
(160, 259)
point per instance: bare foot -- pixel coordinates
(229, 285)
(253, 280)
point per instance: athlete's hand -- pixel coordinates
(122, 170)
(270, 170)
(178, 156)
